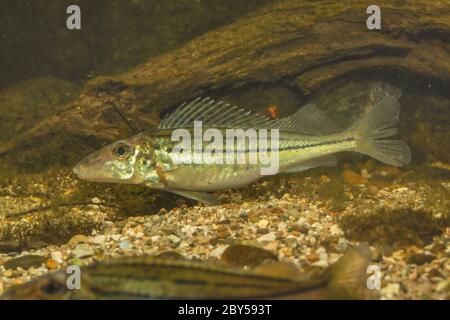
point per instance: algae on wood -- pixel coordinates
(308, 43)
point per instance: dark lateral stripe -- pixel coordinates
(295, 147)
(149, 269)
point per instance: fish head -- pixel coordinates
(49, 287)
(118, 162)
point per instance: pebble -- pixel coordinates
(263, 223)
(217, 252)
(321, 264)
(443, 286)
(391, 290)
(271, 246)
(52, 264)
(301, 227)
(282, 226)
(100, 239)
(336, 231)
(174, 240)
(115, 237)
(96, 200)
(291, 241)
(8, 273)
(83, 250)
(57, 256)
(342, 244)
(125, 245)
(268, 237)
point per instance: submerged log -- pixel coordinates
(309, 43)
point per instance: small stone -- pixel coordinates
(342, 244)
(336, 231)
(174, 240)
(443, 286)
(391, 290)
(115, 237)
(100, 239)
(189, 230)
(262, 223)
(217, 252)
(155, 238)
(313, 257)
(271, 246)
(51, 264)
(268, 237)
(243, 215)
(8, 273)
(282, 226)
(291, 241)
(75, 262)
(320, 263)
(57, 256)
(262, 230)
(301, 227)
(125, 245)
(96, 200)
(224, 220)
(83, 250)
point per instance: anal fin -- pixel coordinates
(325, 161)
(203, 197)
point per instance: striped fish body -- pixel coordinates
(295, 150)
(146, 277)
(299, 142)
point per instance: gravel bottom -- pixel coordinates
(303, 230)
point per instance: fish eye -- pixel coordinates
(52, 287)
(122, 150)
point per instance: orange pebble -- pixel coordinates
(52, 264)
(273, 111)
(354, 178)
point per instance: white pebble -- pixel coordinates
(268, 237)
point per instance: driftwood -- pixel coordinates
(309, 43)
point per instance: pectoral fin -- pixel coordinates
(203, 197)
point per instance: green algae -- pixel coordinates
(244, 255)
(396, 228)
(25, 262)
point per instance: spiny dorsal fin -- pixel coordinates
(310, 120)
(214, 114)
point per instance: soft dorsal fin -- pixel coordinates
(214, 114)
(309, 120)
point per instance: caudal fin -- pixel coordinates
(377, 125)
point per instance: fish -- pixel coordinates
(302, 141)
(153, 277)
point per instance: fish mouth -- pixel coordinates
(84, 173)
(77, 170)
